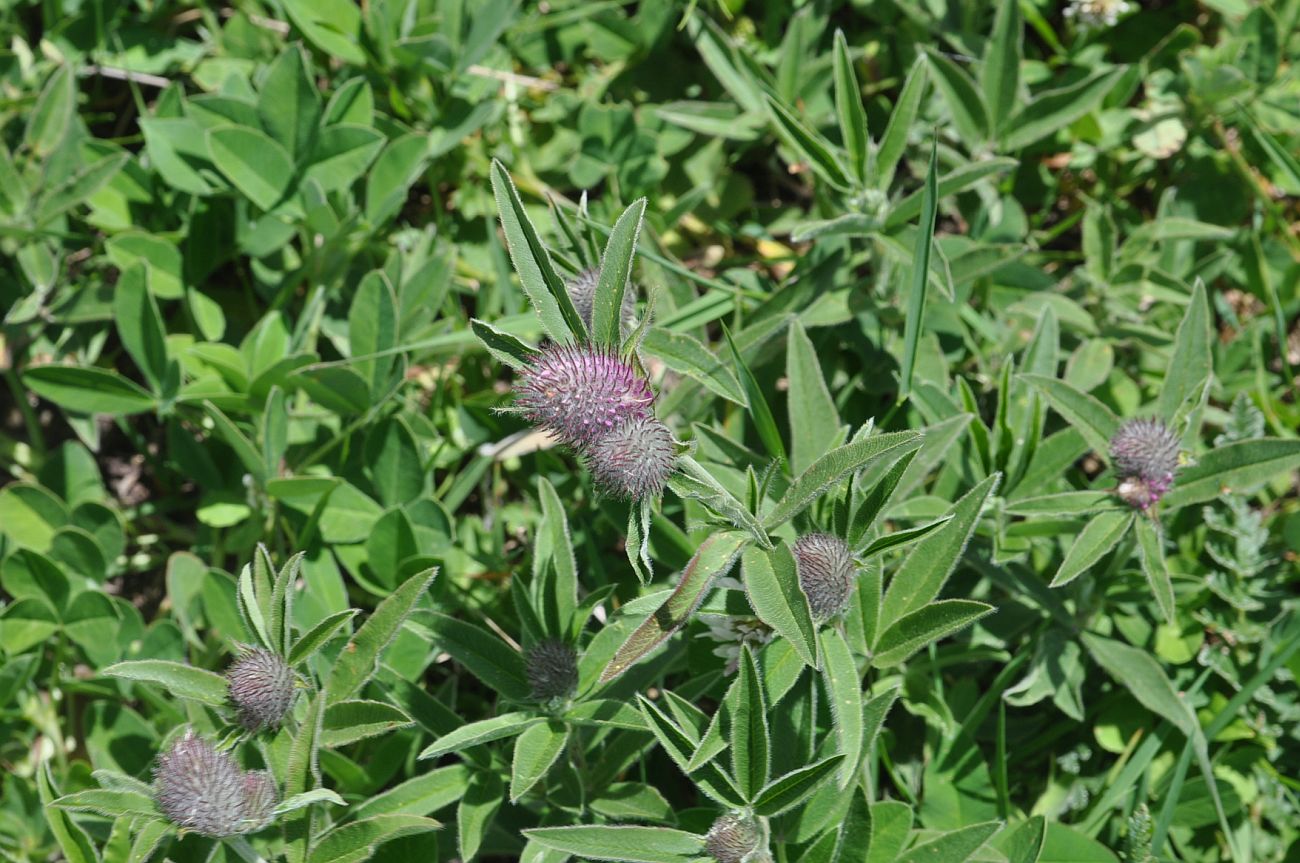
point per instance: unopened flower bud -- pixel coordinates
(634, 460)
(552, 668)
(582, 291)
(733, 838)
(1144, 453)
(200, 788)
(826, 569)
(261, 688)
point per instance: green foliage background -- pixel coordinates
(242, 249)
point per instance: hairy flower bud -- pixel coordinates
(552, 668)
(201, 789)
(733, 838)
(260, 799)
(581, 393)
(582, 290)
(826, 569)
(261, 688)
(1144, 453)
(634, 460)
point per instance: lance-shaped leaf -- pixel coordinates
(927, 624)
(615, 270)
(844, 694)
(772, 585)
(1233, 467)
(1151, 547)
(750, 740)
(185, 681)
(928, 565)
(834, 466)
(713, 559)
(360, 658)
(1096, 422)
(786, 792)
(537, 275)
(920, 281)
(626, 843)
(1098, 537)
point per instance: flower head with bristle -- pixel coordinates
(634, 460)
(825, 568)
(582, 291)
(201, 788)
(581, 393)
(734, 838)
(1144, 453)
(260, 798)
(552, 669)
(261, 687)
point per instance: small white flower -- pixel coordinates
(1097, 13)
(733, 633)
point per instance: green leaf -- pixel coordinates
(788, 791)
(289, 103)
(615, 270)
(109, 804)
(505, 347)
(1000, 76)
(554, 545)
(532, 262)
(685, 354)
(1102, 533)
(476, 811)
(535, 751)
(1093, 419)
(1235, 467)
(356, 841)
(848, 104)
(1144, 678)
(389, 180)
(349, 721)
(1151, 550)
(422, 795)
(681, 745)
(844, 695)
(72, 839)
(484, 731)
(341, 155)
(52, 115)
(1024, 843)
(772, 585)
(764, 422)
(253, 163)
(301, 772)
(713, 559)
(814, 421)
(969, 114)
(360, 658)
(750, 740)
(489, 658)
(372, 331)
(629, 844)
(832, 467)
(1192, 361)
(957, 180)
(693, 481)
(140, 326)
(955, 846)
(308, 798)
(333, 26)
(894, 142)
(87, 389)
(930, 623)
(915, 315)
(922, 574)
(1056, 109)
(395, 464)
(810, 146)
(184, 681)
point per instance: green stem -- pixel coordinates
(34, 437)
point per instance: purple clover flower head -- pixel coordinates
(1144, 453)
(634, 460)
(826, 570)
(260, 800)
(200, 788)
(734, 838)
(582, 291)
(580, 394)
(261, 687)
(552, 669)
